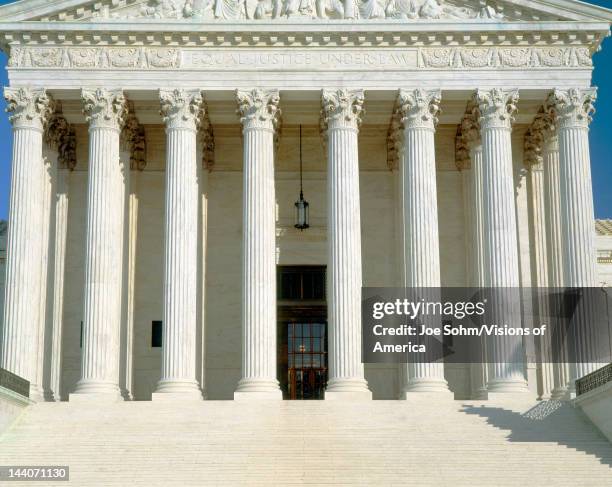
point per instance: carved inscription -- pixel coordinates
(303, 59)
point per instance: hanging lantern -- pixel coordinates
(301, 205)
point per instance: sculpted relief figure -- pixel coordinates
(310, 9)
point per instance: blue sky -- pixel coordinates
(601, 133)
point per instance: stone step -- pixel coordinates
(313, 443)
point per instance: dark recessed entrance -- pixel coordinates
(302, 331)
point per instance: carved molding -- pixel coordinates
(208, 142)
(56, 129)
(341, 108)
(573, 108)
(133, 139)
(29, 108)
(60, 136)
(171, 58)
(467, 136)
(95, 57)
(181, 109)
(259, 109)
(394, 140)
(419, 108)
(104, 108)
(67, 157)
(542, 128)
(496, 107)
(506, 57)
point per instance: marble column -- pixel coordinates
(497, 107)
(129, 281)
(60, 208)
(29, 110)
(554, 248)
(259, 112)
(59, 137)
(342, 111)
(573, 110)
(469, 161)
(105, 111)
(133, 156)
(419, 116)
(533, 161)
(182, 113)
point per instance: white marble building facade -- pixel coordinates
(155, 168)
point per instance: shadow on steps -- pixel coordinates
(548, 421)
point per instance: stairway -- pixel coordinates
(420, 443)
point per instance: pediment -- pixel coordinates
(303, 10)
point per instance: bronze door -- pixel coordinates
(306, 360)
(302, 332)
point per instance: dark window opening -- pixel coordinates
(303, 282)
(156, 334)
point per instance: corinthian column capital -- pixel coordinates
(419, 108)
(467, 137)
(541, 129)
(28, 108)
(181, 109)
(56, 130)
(573, 107)
(133, 140)
(342, 108)
(497, 107)
(258, 108)
(104, 108)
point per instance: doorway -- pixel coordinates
(302, 332)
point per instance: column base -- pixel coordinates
(348, 390)
(258, 389)
(479, 394)
(88, 390)
(36, 394)
(94, 397)
(258, 396)
(178, 387)
(422, 385)
(560, 394)
(428, 397)
(511, 386)
(177, 397)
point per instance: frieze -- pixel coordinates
(159, 58)
(95, 57)
(506, 57)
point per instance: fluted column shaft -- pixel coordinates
(573, 109)
(419, 110)
(554, 247)
(259, 115)
(341, 114)
(104, 247)
(477, 221)
(480, 371)
(468, 158)
(182, 112)
(506, 371)
(48, 168)
(19, 342)
(537, 202)
(61, 202)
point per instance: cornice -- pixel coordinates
(286, 34)
(178, 29)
